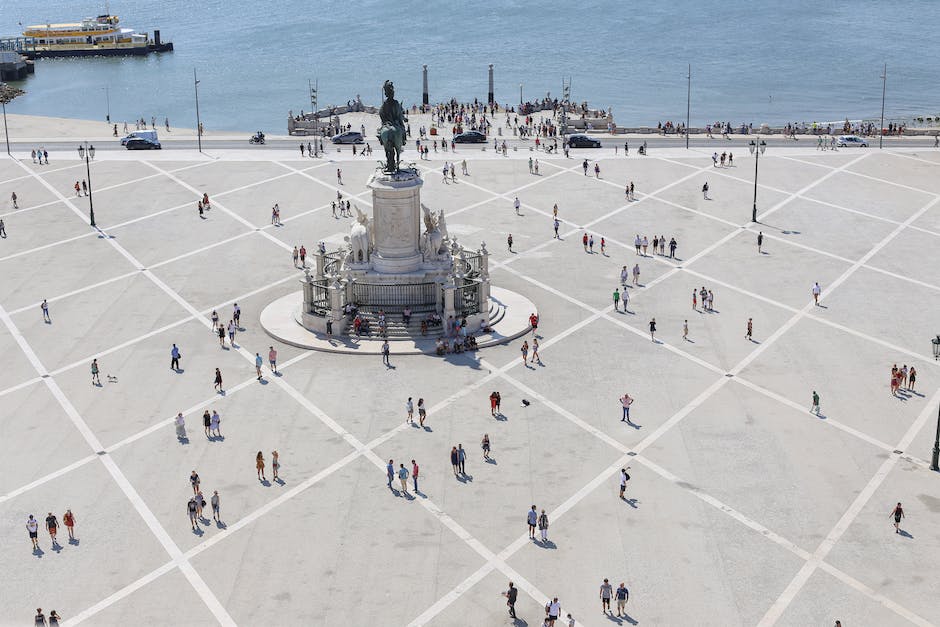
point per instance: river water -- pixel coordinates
(759, 61)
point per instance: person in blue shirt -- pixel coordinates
(403, 477)
(174, 358)
(390, 470)
(258, 362)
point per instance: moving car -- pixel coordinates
(349, 137)
(580, 140)
(151, 135)
(142, 143)
(851, 140)
(470, 137)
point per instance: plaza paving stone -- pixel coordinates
(735, 485)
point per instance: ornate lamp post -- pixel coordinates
(935, 461)
(87, 152)
(757, 150)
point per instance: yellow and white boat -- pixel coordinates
(100, 35)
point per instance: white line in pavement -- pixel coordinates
(776, 610)
(145, 513)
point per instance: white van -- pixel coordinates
(151, 135)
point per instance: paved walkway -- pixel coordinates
(743, 507)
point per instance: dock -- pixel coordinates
(14, 66)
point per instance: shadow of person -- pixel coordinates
(633, 424)
(632, 502)
(630, 619)
(905, 534)
(198, 532)
(74, 541)
(501, 417)
(490, 460)
(547, 544)
(266, 483)
(179, 370)
(220, 525)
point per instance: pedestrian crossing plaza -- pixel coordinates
(744, 506)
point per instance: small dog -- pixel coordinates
(112, 379)
(525, 403)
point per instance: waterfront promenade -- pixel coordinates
(743, 507)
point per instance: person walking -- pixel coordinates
(386, 352)
(556, 224)
(193, 511)
(296, 254)
(606, 593)
(68, 519)
(32, 526)
(816, 292)
(45, 311)
(216, 510)
(653, 330)
(535, 351)
(194, 481)
(525, 351)
(206, 422)
(422, 412)
(200, 504)
(516, 204)
(461, 459)
(485, 445)
(898, 513)
(624, 477)
(760, 241)
(493, 404)
(636, 274)
(543, 526)
(275, 464)
(750, 330)
(414, 474)
(174, 358)
(180, 427)
(511, 595)
(625, 401)
(303, 256)
(616, 299)
(509, 242)
(597, 170)
(3, 229)
(409, 411)
(218, 381)
(95, 379)
(685, 330)
(214, 422)
(272, 359)
(911, 377)
(705, 190)
(259, 466)
(403, 478)
(54, 619)
(622, 595)
(532, 518)
(454, 459)
(815, 408)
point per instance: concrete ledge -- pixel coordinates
(279, 321)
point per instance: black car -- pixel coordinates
(142, 143)
(580, 140)
(470, 137)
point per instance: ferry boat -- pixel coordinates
(93, 36)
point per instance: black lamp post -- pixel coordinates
(87, 152)
(935, 461)
(757, 150)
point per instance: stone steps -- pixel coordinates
(397, 330)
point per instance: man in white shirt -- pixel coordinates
(32, 526)
(554, 609)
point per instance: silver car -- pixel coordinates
(348, 137)
(851, 140)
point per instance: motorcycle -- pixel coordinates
(257, 138)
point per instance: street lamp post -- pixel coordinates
(757, 150)
(884, 87)
(7, 94)
(86, 151)
(107, 96)
(688, 108)
(520, 93)
(198, 122)
(935, 460)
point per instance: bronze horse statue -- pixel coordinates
(392, 132)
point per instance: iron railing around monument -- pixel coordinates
(467, 298)
(375, 295)
(317, 297)
(334, 261)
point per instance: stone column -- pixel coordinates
(321, 264)
(449, 309)
(424, 94)
(490, 94)
(396, 222)
(336, 307)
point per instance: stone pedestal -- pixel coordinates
(396, 220)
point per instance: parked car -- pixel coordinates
(142, 143)
(470, 137)
(145, 134)
(851, 140)
(580, 140)
(348, 137)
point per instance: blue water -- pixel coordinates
(760, 61)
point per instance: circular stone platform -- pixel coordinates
(279, 320)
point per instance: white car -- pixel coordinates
(851, 140)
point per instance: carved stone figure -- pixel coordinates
(360, 239)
